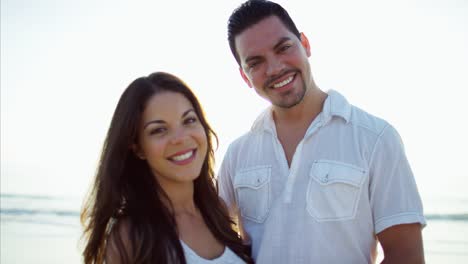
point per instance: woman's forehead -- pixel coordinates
(166, 105)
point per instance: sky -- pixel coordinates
(64, 65)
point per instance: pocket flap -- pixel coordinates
(253, 177)
(327, 172)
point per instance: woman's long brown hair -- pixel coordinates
(124, 180)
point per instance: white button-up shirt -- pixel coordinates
(349, 179)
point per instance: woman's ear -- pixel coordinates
(137, 151)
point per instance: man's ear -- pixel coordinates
(246, 79)
(137, 151)
(305, 43)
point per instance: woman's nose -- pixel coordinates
(179, 136)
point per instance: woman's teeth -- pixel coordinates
(183, 156)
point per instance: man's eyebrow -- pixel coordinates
(279, 43)
(252, 58)
(157, 121)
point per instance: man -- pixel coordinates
(315, 180)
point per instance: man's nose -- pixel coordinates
(274, 66)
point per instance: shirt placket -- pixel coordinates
(296, 160)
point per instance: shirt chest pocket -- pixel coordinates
(253, 193)
(334, 190)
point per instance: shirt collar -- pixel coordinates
(265, 121)
(335, 105)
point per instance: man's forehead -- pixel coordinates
(264, 35)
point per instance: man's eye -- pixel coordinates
(253, 64)
(284, 48)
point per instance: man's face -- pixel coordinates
(275, 62)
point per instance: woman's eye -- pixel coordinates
(157, 131)
(190, 120)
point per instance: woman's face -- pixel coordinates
(172, 139)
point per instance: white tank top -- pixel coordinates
(228, 257)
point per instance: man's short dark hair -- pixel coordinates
(250, 13)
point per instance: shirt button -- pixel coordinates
(325, 179)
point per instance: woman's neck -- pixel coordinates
(181, 197)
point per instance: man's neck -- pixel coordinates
(303, 113)
(292, 123)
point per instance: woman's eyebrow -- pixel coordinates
(187, 112)
(157, 121)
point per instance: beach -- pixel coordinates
(446, 241)
(26, 242)
(47, 230)
(37, 229)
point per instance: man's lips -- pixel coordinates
(283, 83)
(281, 80)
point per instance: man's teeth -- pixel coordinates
(283, 83)
(183, 156)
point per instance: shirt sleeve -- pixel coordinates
(226, 187)
(394, 195)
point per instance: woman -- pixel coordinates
(154, 199)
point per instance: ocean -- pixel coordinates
(42, 229)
